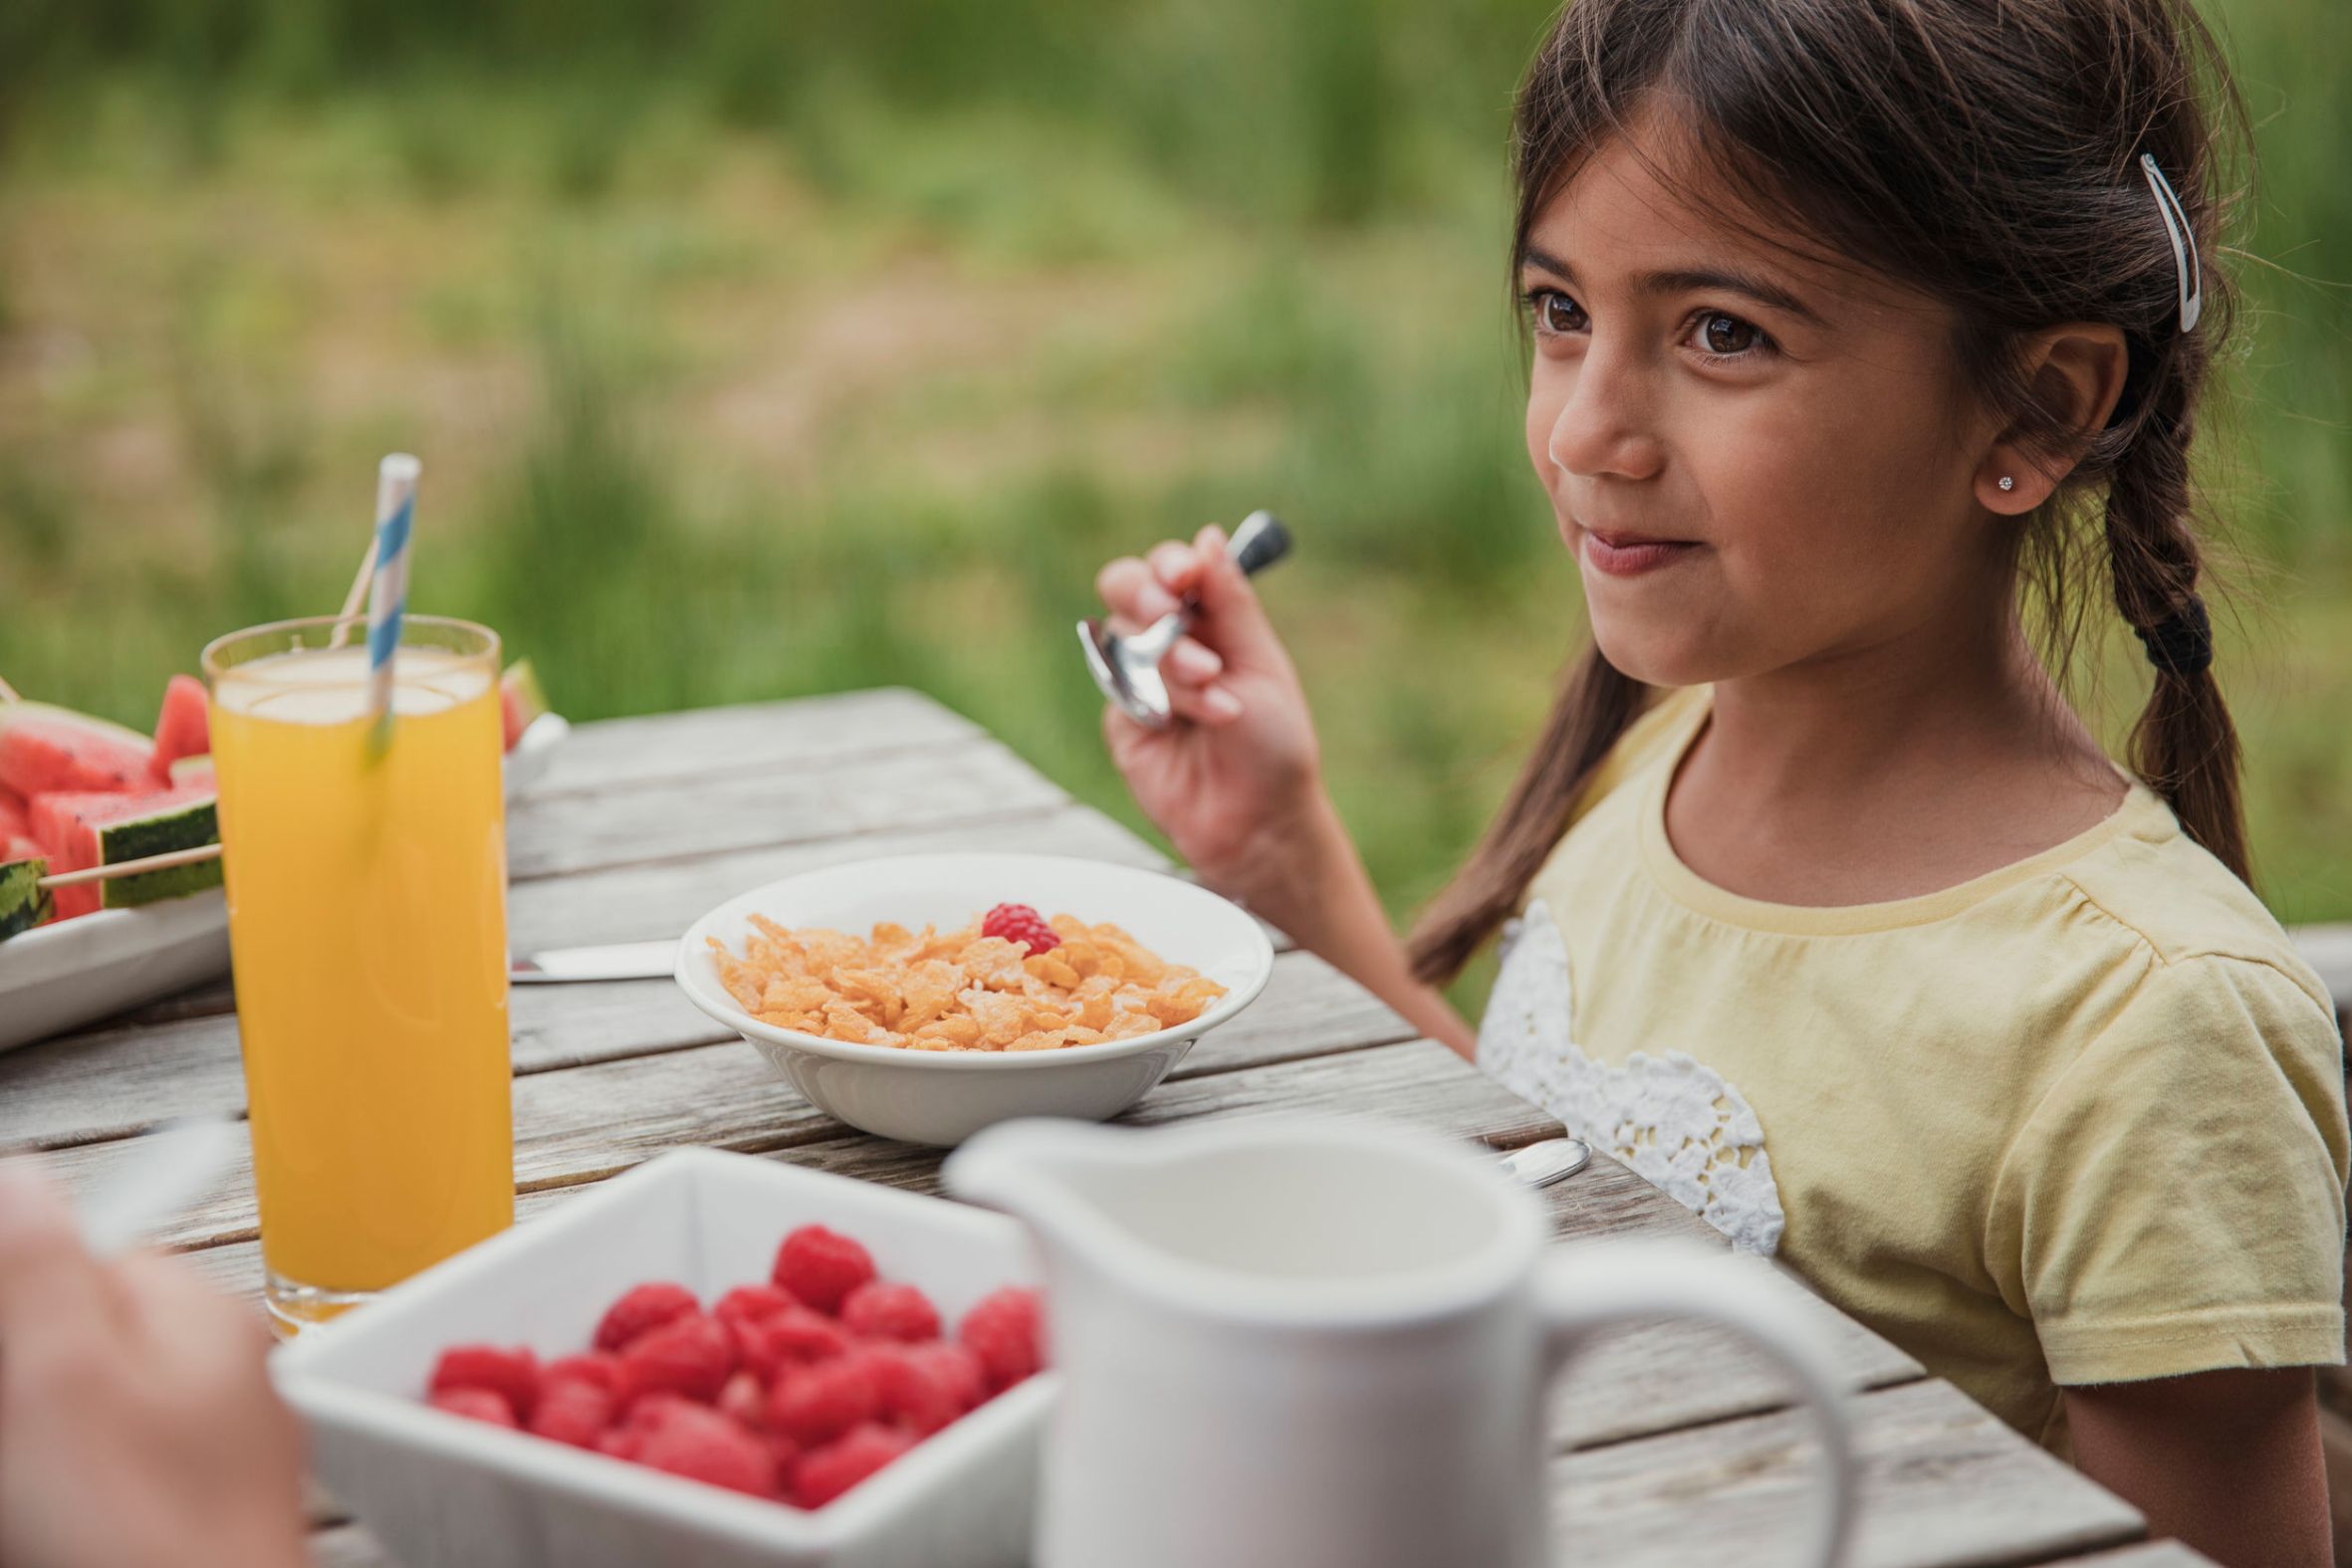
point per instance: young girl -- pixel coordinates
(1853, 321)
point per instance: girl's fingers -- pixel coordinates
(1132, 593)
(1192, 663)
(1176, 566)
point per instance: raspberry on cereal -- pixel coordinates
(884, 1310)
(925, 1387)
(475, 1404)
(640, 1309)
(792, 1336)
(820, 1266)
(750, 1303)
(1003, 1331)
(1019, 923)
(575, 1411)
(817, 1402)
(513, 1374)
(706, 1446)
(824, 1473)
(689, 1355)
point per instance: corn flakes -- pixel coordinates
(961, 989)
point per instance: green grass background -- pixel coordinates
(760, 348)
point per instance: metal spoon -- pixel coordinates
(1128, 668)
(1538, 1165)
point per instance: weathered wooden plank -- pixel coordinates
(1943, 1483)
(113, 1083)
(1666, 1374)
(638, 903)
(663, 819)
(798, 733)
(593, 1121)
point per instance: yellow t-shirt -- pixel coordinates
(2078, 1120)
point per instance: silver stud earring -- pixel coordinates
(2008, 482)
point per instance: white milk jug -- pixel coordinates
(1323, 1343)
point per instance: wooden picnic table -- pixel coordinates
(1672, 1444)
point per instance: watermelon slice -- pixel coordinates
(77, 830)
(43, 748)
(193, 771)
(519, 700)
(182, 728)
(24, 902)
(15, 821)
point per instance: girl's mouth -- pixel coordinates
(1630, 555)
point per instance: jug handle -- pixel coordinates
(1589, 1284)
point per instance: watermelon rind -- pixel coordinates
(193, 770)
(24, 902)
(182, 825)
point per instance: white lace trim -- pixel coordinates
(1671, 1118)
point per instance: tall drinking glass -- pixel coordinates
(366, 888)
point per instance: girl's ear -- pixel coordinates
(2075, 375)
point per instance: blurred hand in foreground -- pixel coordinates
(137, 1424)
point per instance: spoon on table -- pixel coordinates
(1128, 668)
(1538, 1165)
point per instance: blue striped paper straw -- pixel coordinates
(387, 593)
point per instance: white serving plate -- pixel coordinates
(943, 1097)
(60, 976)
(440, 1490)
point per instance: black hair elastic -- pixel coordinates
(2183, 642)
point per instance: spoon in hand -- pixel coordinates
(1128, 668)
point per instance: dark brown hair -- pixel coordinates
(1986, 154)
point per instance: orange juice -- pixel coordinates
(366, 888)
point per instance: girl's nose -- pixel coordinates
(1603, 426)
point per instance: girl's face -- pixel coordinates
(1759, 461)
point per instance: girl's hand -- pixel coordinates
(136, 1420)
(1240, 758)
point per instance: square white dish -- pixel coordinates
(440, 1490)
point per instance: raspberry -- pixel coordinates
(1003, 1331)
(792, 1336)
(474, 1404)
(815, 1403)
(601, 1368)
(745, 1399)
(705, 1446)
(687, 1355)
(642, 1308)
(513, 1374)
(880, 1309)
(820, 1266)
(573, 1410)
(924, 1387)
(824, 1473)
(1019, 923)
(750, 1303)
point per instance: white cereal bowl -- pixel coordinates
(441, 1492)
(943, 1097)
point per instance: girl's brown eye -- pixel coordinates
(1559, 313)
(1727, 334)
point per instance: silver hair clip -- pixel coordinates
(2176, 229)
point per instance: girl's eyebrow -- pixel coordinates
(1686, 280)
